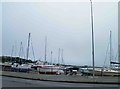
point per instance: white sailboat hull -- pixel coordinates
(48, 69)
(100, 72)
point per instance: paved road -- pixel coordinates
(17, 82)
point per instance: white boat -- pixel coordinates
(103, 71)
(111, 72)
(100, 72)
(48, 69)
(21, 68)
(45, 68)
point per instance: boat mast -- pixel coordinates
(110, 48)
(51, 60)
(45, 48)
(51, 57)
(59, 56)
(93, 56)
(15, 47)
(62, 57)
(28, 46)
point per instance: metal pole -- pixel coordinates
(93, 56)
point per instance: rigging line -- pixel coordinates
(32, 50)
(116, 55)
(12, 52)
(106, 55)
(23, 53)
(15, 48)
(20, 49)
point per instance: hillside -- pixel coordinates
(14, 59)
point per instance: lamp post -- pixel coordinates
(93, 56)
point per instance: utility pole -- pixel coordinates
(93, 56)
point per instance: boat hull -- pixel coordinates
(48, 69)
(102, 73)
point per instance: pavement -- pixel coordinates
(18, 82)
(63, 78)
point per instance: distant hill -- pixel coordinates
(14, 59)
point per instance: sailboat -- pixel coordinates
(110, 71)
(99, 71)
(103, 71)
(20, 66)
(46, 68)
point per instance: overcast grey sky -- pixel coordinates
(1, 29)
(67, 25)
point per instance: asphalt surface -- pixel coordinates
(18, 82)
(63, 78)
